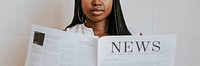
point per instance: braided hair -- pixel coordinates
(116, 22)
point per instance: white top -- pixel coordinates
(81, 29)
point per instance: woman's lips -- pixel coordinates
(97, 11)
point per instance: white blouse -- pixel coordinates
(81, 29)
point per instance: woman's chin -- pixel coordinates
(97, 19)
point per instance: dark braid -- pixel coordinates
(116, 24)
(77, 9)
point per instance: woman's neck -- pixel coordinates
(99, 27)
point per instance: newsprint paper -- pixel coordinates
(52, 47)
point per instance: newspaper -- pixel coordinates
(52, 47)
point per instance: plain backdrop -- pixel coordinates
(151, 17)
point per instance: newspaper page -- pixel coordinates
(136, 50)
(51, 47)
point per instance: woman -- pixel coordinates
(98, 18)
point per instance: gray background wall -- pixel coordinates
(151, 17)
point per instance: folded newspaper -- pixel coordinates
(52, 47)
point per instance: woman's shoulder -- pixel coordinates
(80, 28)
(76, 27)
